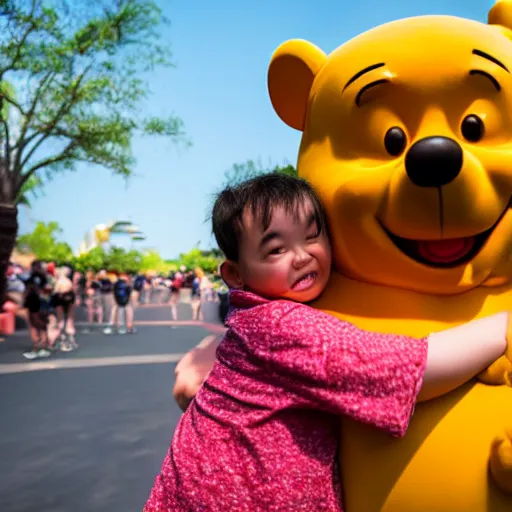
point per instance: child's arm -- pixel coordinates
(458, 354)
(193, 368)
(322, 362)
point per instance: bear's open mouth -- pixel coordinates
(446, 253)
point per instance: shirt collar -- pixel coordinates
(242, 299)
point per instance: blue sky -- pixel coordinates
(222, 49)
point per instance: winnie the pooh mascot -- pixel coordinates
(407, 137)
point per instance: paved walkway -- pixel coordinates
(86, 431)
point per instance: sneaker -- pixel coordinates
(132, 330)
(32, 354)
(107, 330)
(65, 347)
(43, 353)
(122, 330)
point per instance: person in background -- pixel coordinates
(37, 314)
(138, 287)
(188, 277)
(160, 288)
(93, 301)
(106, 293)
(122, 304)
(51, 272)
(148, 289)
(64, 301)
(176, 285)
(75, 277)
(195, 295)
(206, 289)
(81, 292)
(15, 286)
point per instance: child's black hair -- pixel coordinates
(260, 195)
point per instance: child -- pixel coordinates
(262, 432)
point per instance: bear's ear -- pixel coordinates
(501, 15)
(292, 69)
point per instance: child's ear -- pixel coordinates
(231, 275)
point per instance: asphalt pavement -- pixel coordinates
(87, 431)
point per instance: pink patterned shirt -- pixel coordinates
(262, 433)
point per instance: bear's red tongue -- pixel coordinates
(445, 251)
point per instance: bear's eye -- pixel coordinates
(472, 128)
(395, 141)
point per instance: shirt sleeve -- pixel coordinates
(326, 363)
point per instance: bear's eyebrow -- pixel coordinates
(484, 55)
(362, 72)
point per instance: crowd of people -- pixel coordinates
(49, 295)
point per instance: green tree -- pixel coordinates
(251, 169)
(95, 260)
(198, 258)
(44, 244)
(29, 189)
(78, 69)
(152, 261)
(120, 260)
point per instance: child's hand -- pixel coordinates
(499, 373)
(193, 369)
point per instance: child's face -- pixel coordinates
(290, 259)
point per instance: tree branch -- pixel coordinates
(22, 140)
(7, 145)
(48, 132)
(21, 43)
(13, 102)
(65, 154)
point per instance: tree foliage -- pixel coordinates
(92, 260)
(206, 260)
(71, 86)
(121, 260)
(152, 261)
(251, 169)
(44, 244)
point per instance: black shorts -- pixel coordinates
(64, 300)
(175, 290)
(38, 320)
(32, 302)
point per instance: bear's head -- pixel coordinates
(407, 137)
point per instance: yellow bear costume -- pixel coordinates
(407, 136)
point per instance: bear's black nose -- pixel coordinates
(433, 161)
